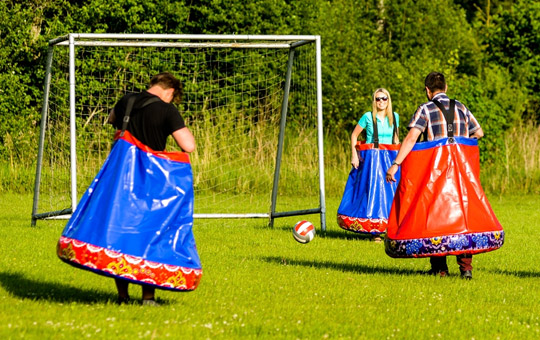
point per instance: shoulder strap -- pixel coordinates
(448, 116)
(129, 107)
(375, 131)
(394, 133)
(422, 137)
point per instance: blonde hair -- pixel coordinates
(388, 111)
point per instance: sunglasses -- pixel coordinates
(381, 98)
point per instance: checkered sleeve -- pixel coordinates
(473, 123)
(420, 119)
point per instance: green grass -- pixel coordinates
(259, 283)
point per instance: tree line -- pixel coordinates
(488, 49)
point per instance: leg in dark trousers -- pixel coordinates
(438, 265)
(148, 296)
(465, 262)
(148, 292)
(122, 287)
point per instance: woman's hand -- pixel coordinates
(355, 160)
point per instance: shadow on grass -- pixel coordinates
(354, 268)
(517, 273)
(26, 288)
(335, 234)
(345, 235)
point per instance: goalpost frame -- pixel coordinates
(225, 41)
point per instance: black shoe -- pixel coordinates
(122, 301)
(466, 274)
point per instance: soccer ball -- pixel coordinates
(303, 231)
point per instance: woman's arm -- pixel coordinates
(354, 139)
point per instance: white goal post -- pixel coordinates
(253, 103)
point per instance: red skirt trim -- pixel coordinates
(176, 156)
(362, 225)
(111, 263)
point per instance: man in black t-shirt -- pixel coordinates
(152, 119)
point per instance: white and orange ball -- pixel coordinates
(304, 231)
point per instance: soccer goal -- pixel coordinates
(253, 103)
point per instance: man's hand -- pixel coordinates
(406, 147)
(391, 173)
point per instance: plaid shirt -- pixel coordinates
(429, 116)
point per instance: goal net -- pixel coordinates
(253, 104)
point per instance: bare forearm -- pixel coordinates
(354, 138)
(407, 145)
(184, 138)
(112, 117)
(404, 150)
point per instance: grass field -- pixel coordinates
(258, 283)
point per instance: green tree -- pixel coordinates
(489, 50)
(513, 42)
(242, 17)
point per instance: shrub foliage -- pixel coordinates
(489, 51)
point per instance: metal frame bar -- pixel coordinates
(263, 41)
(282, 125)
(320, 133)
(43, 125)
(179, 44)
(129, 36)
(59, 214)
(72, 121)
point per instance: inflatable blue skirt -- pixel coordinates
(367, 198)
(135, 220)
(440, 208)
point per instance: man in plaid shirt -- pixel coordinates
(429, 121)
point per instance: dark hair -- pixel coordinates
(167, 80)
(435, 82)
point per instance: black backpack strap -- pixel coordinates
(422, 137)
(394, 133)
(150, 101)
(375, 132)
(129, 107)
(448, 116)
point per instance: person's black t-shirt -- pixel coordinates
(151, 124)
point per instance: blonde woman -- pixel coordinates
(381, 114)
(367, 198)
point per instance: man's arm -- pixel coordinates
(184, 138)
(406, 147)
(112, 117)
(478, 134)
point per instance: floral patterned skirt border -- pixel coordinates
(473, 243)
(362, 225)
(111, 263)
